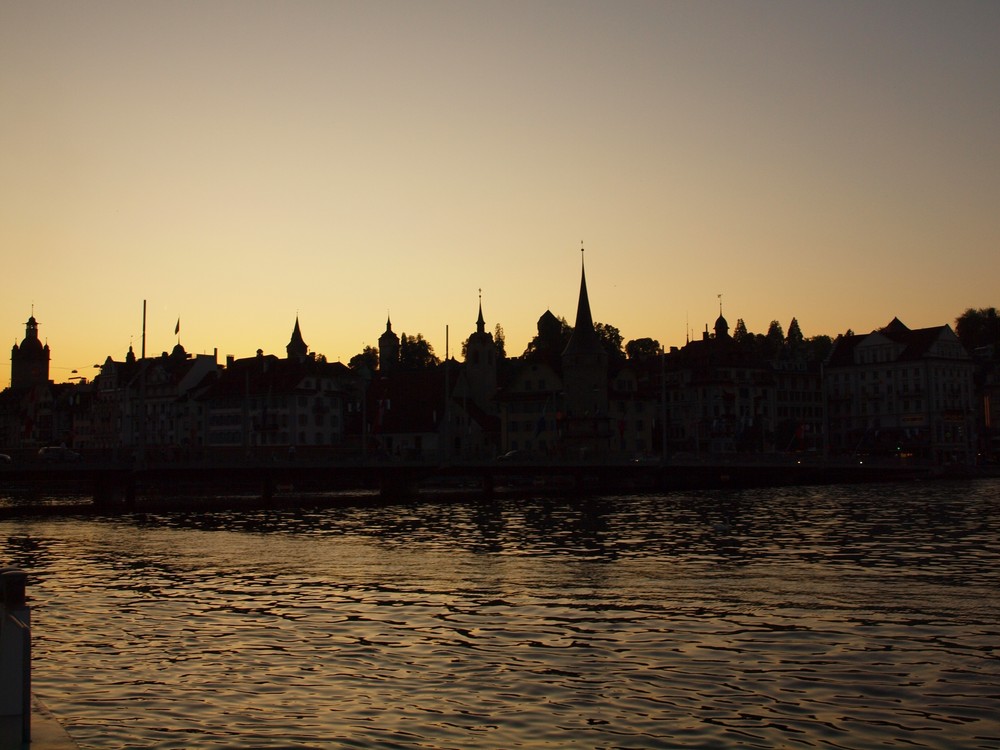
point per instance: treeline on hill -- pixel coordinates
(975, 328)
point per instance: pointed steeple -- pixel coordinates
(296, 347)
(585, 380)
(481, 364)
(584, 336)
(388, 349)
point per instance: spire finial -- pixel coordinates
(720, 304)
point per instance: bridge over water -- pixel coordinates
(114, 485)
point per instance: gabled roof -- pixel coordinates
(271, 375)
(296, 346)
(914, 344)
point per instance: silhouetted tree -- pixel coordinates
(611, 339)
(794, 340)
(498, 341)
(978, 327)
(642, 349)
(817, 348)
(552, 337)
(774, 340)
(416, 353)
(501, 341)
(740, 333)
(367, 358)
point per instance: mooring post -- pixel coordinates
(15, 654)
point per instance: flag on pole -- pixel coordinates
(177, 328)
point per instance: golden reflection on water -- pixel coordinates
(832, 617)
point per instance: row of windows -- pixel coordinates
(223, 419)
(549, 425)
(912, 374)
(540, 385)
(234, 437)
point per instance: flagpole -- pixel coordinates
(142, 395)
(447, 401)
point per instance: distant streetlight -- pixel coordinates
(77, 376)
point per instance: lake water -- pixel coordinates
(820, 617)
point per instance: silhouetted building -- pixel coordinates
(27, 417)
(557, 402)
(903, 393)
(29, 362)
(586, 424)
(441, 411)
(148, 406)
(412, 415)
(388, 350)
(634, 408)
(531, 408)
(719, 396)
(265, 403)
(987, 360)
(474, 397)
(481, 366)
(27, 408)
(296, 347)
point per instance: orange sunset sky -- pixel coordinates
(238, 164)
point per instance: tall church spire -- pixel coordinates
(584, 336)
(585, 379)
(480, 323)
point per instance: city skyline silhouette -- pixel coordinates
(237, 165)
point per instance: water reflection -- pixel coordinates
(814, 617)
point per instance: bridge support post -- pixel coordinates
(115, 489)
(395, 485)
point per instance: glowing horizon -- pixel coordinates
(238, 164)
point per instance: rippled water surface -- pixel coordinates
(810, 617)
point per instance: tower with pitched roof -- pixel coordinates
(29, 362)
(585, 362)
(481, 362)
(388, 350)
(296, 347)
(586, 426)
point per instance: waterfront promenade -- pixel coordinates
(46, 732)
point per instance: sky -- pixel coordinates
(238, 164)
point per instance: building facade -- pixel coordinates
(902, 393)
